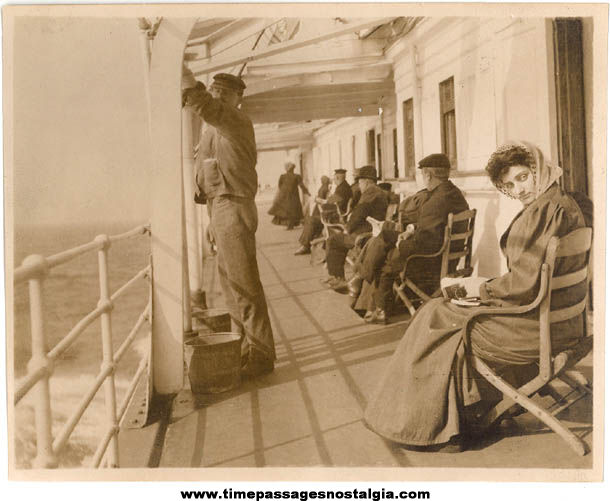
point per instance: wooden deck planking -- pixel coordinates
(308, 412)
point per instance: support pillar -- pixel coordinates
(167, 204)
(190, 127)
(417, 104)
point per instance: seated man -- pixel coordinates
(368, 265)
(427, 216)
(373, 203)
(393, 198)
(313, 225)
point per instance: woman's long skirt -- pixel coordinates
(428, 383)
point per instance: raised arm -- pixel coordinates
(227, 119)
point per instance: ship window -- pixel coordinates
(409, 136)
(448, 130)
(370, 147)
(395, 151)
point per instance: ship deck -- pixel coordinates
(308, 412)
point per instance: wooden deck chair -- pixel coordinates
(332, 220)
(455, 259)
(551, 369)
(362, 238)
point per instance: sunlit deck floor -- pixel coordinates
(308, 412)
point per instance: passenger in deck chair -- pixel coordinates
(368, 265)
(227, 169)
(373, 203)
(426, 237)
(428, 397)
(313, 224)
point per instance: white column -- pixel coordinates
(417, 105)
(167, 187)
(190, 127)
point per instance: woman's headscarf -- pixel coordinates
(545, 173)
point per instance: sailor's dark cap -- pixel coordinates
(229, 81)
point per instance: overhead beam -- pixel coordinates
(331, 113)
(220, 31)
(310, 66)
(367, 74)
(337, 48)
(340, 93)
(282, 145)
(279, 48)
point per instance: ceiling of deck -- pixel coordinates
(300, 69)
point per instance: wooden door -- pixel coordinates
(569, 90)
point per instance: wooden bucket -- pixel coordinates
(215, 364)
(211, 320)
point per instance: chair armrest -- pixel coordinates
(424, 256)
(510, 310)
(336, 226)
(361, 237)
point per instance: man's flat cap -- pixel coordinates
(366, 172)
(340, 171)
(385, 186)
(438, 160)
(229, 81)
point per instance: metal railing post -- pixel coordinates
(45, 456)
(107, 352)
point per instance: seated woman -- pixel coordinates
(428, 394)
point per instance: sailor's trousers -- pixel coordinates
(234, 221)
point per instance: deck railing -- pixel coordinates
(34, 270)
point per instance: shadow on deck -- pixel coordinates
(308, 412)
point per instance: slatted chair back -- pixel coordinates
(331, 218)
(576, 247)
(571, 252)
(455, 257)
(459, 234)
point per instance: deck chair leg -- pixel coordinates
(575, 379)
(506, 403)
(407, 302)
(409, 283)
(572, 440)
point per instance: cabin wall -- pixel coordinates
(342, 145)
(502, 73)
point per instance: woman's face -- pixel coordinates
(519, 182)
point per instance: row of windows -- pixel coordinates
(448, 129)
(374, 148)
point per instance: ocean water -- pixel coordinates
(70, 292)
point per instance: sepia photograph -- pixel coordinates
(317, 241)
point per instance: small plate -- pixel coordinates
(467, 302)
